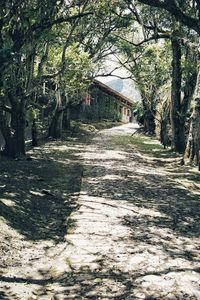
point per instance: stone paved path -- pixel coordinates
(128, 234)
(135, 232)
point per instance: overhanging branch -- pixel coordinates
(174, 10)
(155, 37)
(50, 23)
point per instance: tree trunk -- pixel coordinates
(177, 122)
(193, 142)
(14, 132)
(34, 133)
(149, 121)
(164, 137)
(66, 119)
(55, 129)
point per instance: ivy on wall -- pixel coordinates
(103, 106)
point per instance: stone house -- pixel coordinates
(103, 102)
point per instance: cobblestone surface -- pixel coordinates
(135, 235)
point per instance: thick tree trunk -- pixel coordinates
(164, 137)
(193, 143)
(56, 126)
(34, 133)
(14, 133)
(55, 129)
(192, 151)
(149, 121)
(177, 121)
(66, 119)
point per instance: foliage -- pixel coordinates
(178, 22)
(55, 43)
(186, 12)
(74, 79)
(103, 106)
(57, 47)
(151, 71)
(138, 112)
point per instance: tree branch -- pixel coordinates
(50, 23)
(113, 75)
(174, 10)
(166, 35)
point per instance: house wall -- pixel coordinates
(98, 105)
(126, 115)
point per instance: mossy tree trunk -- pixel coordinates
(177, 122)
(55, 129)
(149, 114)
(56, 125)
(13, 130)
(34, 133)
(164, 135)
(149, 121)
(193, 143)
(66, 118)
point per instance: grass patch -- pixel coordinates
(90, 127)
(152, 147)
(154, 154)
(106, 124)
(146, 145)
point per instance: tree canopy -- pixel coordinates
(54, 49)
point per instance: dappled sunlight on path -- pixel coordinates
(36, 202)
(135, 225)
(132, 234)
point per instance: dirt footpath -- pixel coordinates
(133, 233)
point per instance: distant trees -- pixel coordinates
(48, 48)
(174, 27)
(51, 50)
(187, 14)
(150, 71)
(26, 31)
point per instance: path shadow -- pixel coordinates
(160, 214)
(102, 283)
(140, 186)
(38, 196)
